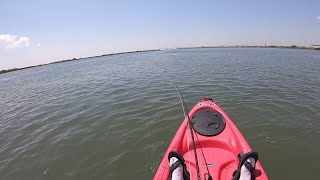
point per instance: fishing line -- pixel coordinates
(205, 161)
(188, 142)
(184, 108)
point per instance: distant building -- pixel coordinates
(315, 46)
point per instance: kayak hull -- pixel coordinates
(217, 154)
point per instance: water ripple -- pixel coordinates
(113, 117)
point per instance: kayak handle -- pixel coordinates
(217, 125)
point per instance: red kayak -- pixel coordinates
(218, 142)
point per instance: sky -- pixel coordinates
(36, 32)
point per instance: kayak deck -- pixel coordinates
(216, 153)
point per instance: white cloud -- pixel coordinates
(7, 38)
(12, 41)
(318, 18)
(21, 42)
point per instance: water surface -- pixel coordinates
(113, 117)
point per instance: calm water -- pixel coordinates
(113, 117)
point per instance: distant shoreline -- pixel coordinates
(244, 46)
(111, 54)
(74, 59)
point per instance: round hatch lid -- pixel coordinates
(208, 122)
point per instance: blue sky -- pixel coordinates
(36, 32)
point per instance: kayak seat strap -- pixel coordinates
(243, 161)
(174, 166)
(249, 166)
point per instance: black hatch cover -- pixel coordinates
(208, 122)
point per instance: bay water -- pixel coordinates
(113, 117)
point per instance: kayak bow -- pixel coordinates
(218, 144)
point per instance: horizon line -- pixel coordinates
(311, 47)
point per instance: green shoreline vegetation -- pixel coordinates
(313, 47)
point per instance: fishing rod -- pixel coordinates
(186, 115)
(184, 108)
